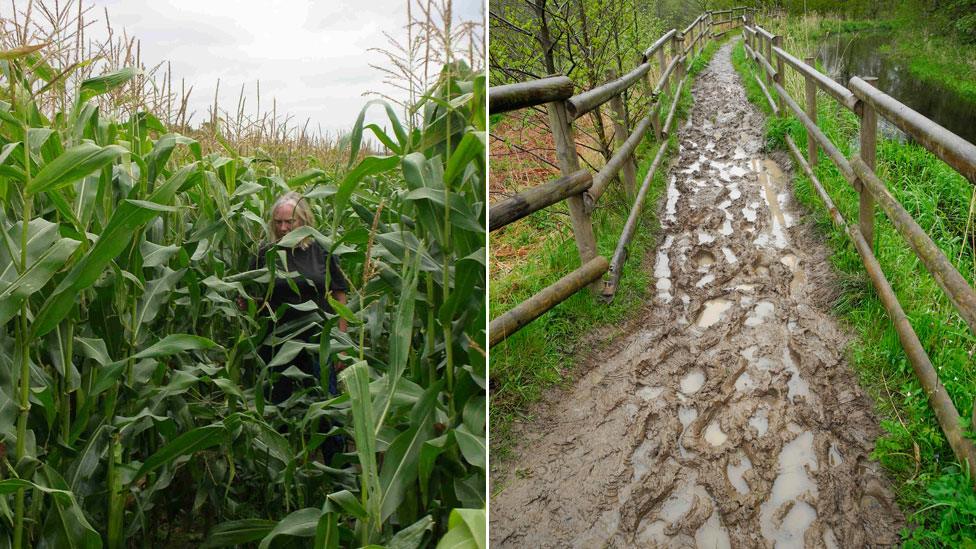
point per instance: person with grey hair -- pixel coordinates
(319, 275)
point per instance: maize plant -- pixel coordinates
(133, 398)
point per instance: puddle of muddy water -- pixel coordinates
(736, 473)
(760, 421)
(792, 483)
(647, 394)
(772, 179)
(692, 382)
(703, 258)
(834, 456)
(759, 315)
(674, 510)
(799, 277)
(641, 458)
(829, 539)
(726, 229)
(671, 208)
(797, 386)
(729, 256)
(712, 535)
(662, 270)
(713, 311)
(736, 171)
(745, 383)
(714, 434)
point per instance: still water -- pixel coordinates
(858, 54)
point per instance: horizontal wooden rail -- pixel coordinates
(606, 174)
(582, 103)
(531, 200)
(658, 45)
(530, 309)
(954, 150)
(843, 95)
(764, 32)
(512, 97)
(692, 25)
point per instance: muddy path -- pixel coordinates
(729, 415)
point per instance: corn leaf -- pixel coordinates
(189, 442)
(238, 532)
(301, 523)
(105, 83)
(73, 164)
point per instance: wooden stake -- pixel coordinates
(621, 133)
(778, 42)
(562, 133)
(868, 137)
(812, 113)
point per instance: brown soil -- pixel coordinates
(728, 416)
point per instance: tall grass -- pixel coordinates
(934, 492)
(132, 398)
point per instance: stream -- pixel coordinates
(858, 54)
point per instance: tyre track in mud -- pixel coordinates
(728, 416)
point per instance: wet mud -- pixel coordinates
(728, 416)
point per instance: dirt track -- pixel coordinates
(728, 416)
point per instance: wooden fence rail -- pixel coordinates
(581, 189)
(867, 102)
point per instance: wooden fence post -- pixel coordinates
(768, 54)
(562, 133)
(621, 133)
(662, 65)
(868, 153)
(677, 50)
(780, 73)
(812, 113)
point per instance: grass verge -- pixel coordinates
(543, 353)
(935, 493)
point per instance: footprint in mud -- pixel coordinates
(703, 259)
(688, 517)
(712, 312)
(785, 516)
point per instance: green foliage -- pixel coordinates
(132, 393)
(953, 501)
(913, 448)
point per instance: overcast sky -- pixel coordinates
(311, 55)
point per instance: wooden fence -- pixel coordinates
(867, 102)
(582, 189)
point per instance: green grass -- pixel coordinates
(933, 491)
(545, 352)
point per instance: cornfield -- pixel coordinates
(133, 404)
